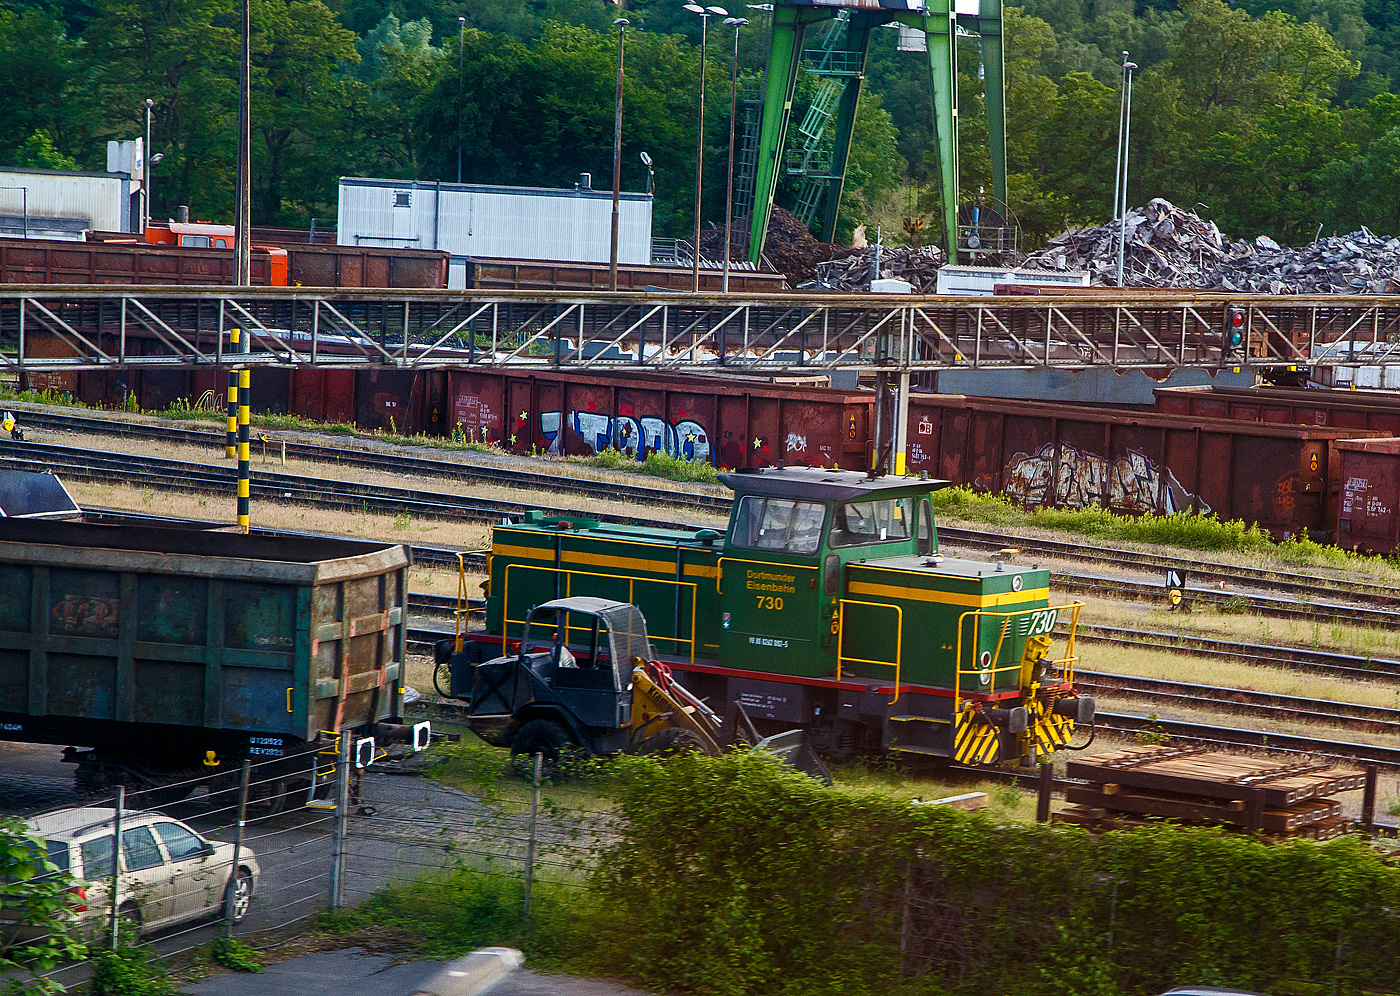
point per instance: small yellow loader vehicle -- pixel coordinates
(585, 678)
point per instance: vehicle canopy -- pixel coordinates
(616, 629)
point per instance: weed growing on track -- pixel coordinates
(656, 465)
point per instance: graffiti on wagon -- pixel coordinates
(1133, 482)
(638, 436)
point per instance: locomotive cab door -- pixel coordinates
(770, 587)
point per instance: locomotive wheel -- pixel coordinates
(543, 736)
(671, 741)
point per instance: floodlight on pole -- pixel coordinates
(146, 173)
(1124, 133)
(461, 48)
(705, 14)
(736, 23)
(651, 174)
(621, 25)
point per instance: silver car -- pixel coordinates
(169, 873)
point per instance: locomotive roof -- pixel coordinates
(816, 484)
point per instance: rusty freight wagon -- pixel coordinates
(155, 654)
(1373, 411)
(1281, 476)
(1368, 514)
(728, 423)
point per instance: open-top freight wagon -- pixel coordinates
(159, 654)
(826, 605)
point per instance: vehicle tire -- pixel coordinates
(671, 741)
(239, 895)
(543, 736)
(442, 679)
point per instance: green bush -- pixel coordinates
(736, 876)
(128, 971)
(237, 955)
(656, 465)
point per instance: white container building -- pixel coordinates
(980, 281)
(492, 222)
(57, 204)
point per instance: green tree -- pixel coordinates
(182, 54)
(38, 67)
(35, 889)
(873, 169)
(38, 152)
(298, 49)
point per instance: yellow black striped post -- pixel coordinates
(244, 390)
(231, 435)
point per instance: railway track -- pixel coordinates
(1184, 695)
(1254, 578)
(393, 463)
(184, 475)
(1304, 585)
(1260, 654)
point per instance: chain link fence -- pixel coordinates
(258, 853)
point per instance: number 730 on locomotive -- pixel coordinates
(825, 604)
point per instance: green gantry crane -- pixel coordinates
(838, 57)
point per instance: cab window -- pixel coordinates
(778, 525)
(858, 523)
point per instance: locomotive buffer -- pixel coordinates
(825, 604)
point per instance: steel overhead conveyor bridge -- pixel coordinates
(71, 328)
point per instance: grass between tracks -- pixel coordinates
(1201, 533)
(734, 876)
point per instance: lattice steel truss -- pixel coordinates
(55, 328)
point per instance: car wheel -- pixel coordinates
(240, 896)
(546, 737)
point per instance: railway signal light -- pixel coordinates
(422, 735)
(1233, 338)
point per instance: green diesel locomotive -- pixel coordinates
(826, 605)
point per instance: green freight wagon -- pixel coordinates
(155, 654)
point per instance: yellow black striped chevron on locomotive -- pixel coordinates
(827, 603)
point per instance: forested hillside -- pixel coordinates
(1273, 116)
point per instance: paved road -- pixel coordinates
(293, 848)
(357, 973)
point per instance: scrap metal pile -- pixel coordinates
(794, 250)
(1168, 247)
(1282, 799)
(852, 273)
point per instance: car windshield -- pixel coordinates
(778, 524)
(858, 523)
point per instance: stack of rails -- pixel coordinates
(1137, 786)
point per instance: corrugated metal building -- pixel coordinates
(494, 222)
(56, 204)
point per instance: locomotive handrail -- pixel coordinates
(569, 574)
(898, 640)
(1065, 663)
